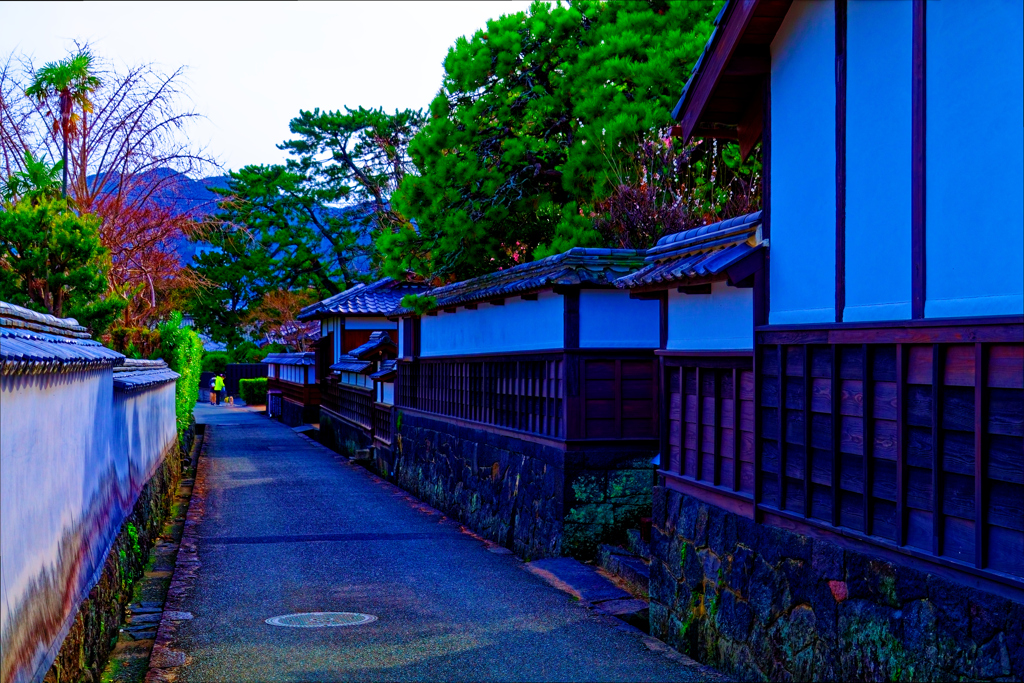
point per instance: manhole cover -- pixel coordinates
(321, 619)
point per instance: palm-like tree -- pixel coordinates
(37, 182)
(70, 81)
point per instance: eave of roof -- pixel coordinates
(576, 267)
(376, 298)
(704, 253)
(378, 341)
(35, 343)
(388, 370)
(349, 363)
(737, 52)
(135, 375)
(303, 358)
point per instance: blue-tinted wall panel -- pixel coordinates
(519, 325)
(803, 200)
(879, 42)
(721, 320)
(609, 319)
(975, 163)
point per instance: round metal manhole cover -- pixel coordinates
(321, 619)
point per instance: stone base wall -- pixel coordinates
(340, 436)
(293, 414)
(762, 603)
(536, 499)
(94, 632)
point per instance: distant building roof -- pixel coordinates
(574, 267)
(136, 374)
(379, 341)
(303, 358)
(388, 370)
(702, 252)
(348, 363)
(32, 342)
(377, 298)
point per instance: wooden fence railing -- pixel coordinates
(383, 422)
(525, 393)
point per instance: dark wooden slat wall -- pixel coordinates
(616, 400)
(709, 408)
(916, 445)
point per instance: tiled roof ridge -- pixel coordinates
(15, 316)
(389, 291)
(703, 236)
(293, 358)
(568, 268)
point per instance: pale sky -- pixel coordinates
(253, 66)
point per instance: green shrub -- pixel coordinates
(253, 391)
(182, 350)
(215, 361)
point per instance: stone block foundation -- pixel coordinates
(94, 632)
(763, 603)
(538, 499)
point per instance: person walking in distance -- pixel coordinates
(218, 388)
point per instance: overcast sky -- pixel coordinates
(253, 66)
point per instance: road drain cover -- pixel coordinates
(321, 619)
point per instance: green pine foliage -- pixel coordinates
(182, 350)
(271, 233)
(253, 391)
(52, 260)
(542, 118)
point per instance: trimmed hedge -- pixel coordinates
(253, 391)
(182, 350)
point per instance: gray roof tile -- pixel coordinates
(377, 298)
(703, 252)
(574, 267)
(303, 358)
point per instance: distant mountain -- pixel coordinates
(195, 198)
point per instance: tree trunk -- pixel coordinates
(64, 182)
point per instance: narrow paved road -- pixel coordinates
(290, 527)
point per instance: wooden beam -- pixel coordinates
(450, 309)
(937, 366)
(808, 388)
(749, 60)
(840, 21)
(695, 289)
(917, 163)
(529, 297)
(500, 301)
(471, 307)
(663, 320)
(729, 32)
(752, 124)
(867, 422)
(980, 466)
(571, 319)
(901, 444)
(837, 420)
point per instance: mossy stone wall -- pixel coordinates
(762, 603)
(537, 499)
(94, 632)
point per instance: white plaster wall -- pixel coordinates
(56, 459)
(610, 319)
(336, 325)
(803, 165)
(519, 325)
(144, 428)
(388, 391)
(722, 320)
(879, 39)
(975, 165)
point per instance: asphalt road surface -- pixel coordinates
(289, 527)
